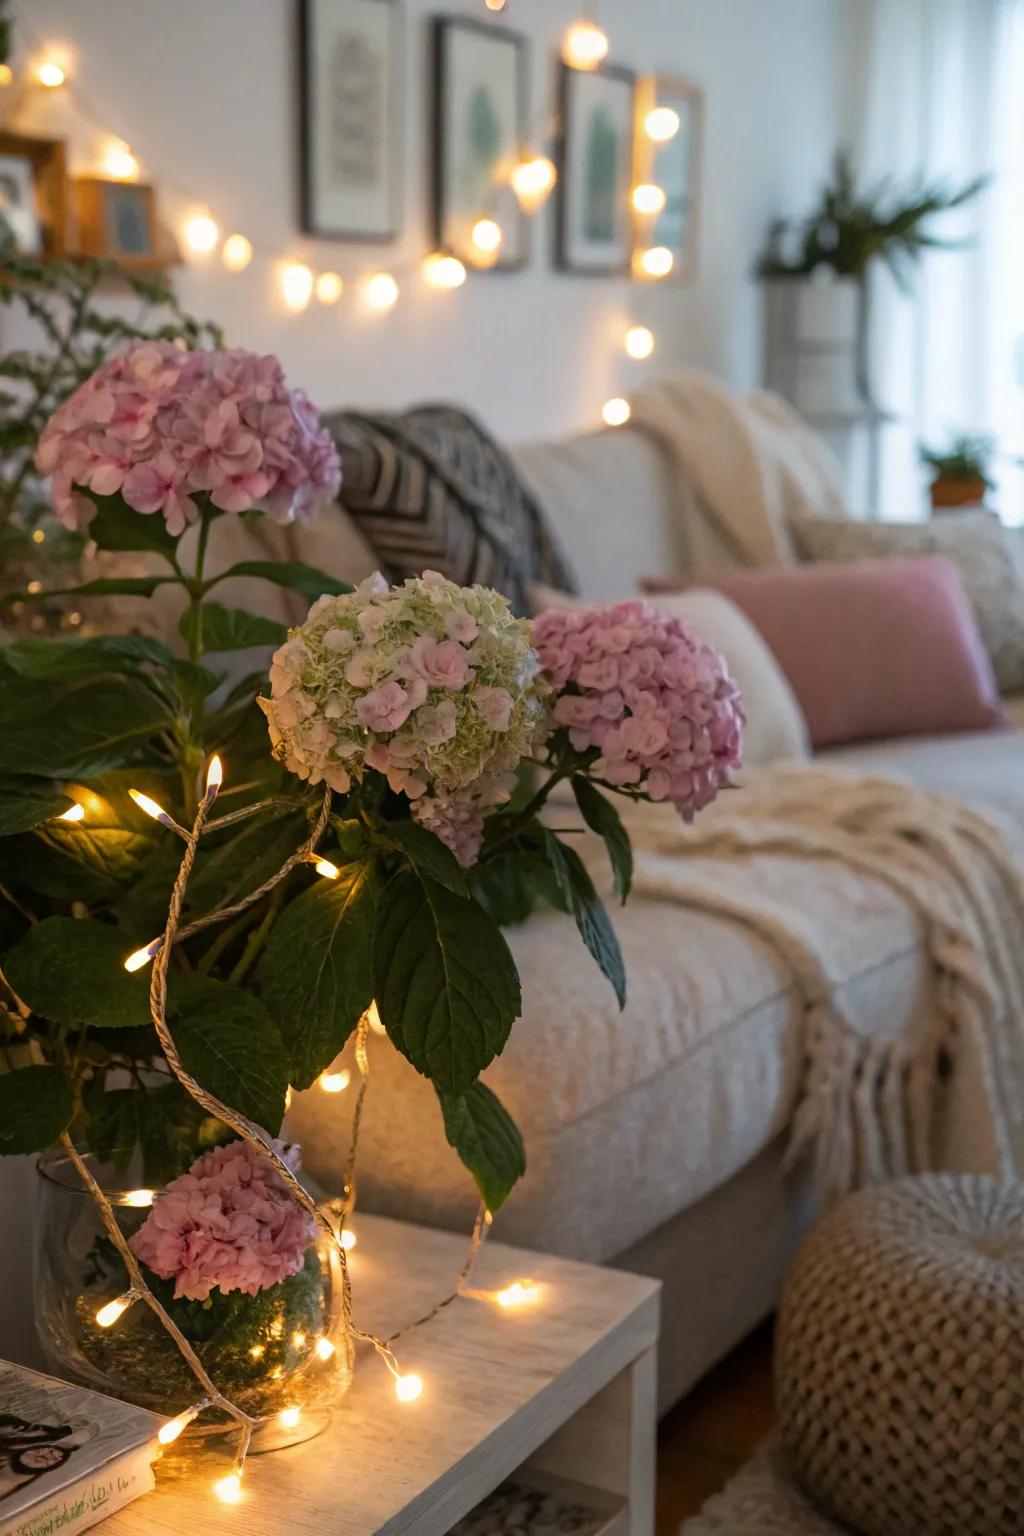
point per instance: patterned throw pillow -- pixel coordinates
(431, 490)
(976, 543)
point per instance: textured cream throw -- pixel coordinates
(947, 1090)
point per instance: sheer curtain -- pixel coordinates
(937, 90)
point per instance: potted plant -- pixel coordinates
(212, 885)
(816, 271)
(960, 475)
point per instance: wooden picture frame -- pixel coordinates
(351, 119)
(595, 170)
(677, 167)
(117, 222)
(481, 90)
(37, 167)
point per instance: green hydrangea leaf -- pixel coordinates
(487, 1140)
(444, 979)
(36, 1105)
(229, 629)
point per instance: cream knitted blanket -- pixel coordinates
(880, 1100)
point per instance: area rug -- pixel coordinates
(762, 1500)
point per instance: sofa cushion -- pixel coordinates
(979, 547)
(430, 489)
(630, 1118)
(985, 769)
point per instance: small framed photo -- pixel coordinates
(480, 93)
(33, 194)
(672, 160)
(350, 71)
(596, 170)
(117, 222)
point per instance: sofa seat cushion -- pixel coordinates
(630, 1118)
(985, 769)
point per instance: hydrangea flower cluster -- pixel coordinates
(164, 426)
(656, 704)
(230, 1222)
(435, 685)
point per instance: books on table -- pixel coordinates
(68, 1457)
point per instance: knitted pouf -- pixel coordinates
(900, 1359)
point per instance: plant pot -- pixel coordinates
(263, 1352)
(957, 493)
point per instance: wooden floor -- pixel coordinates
(709, 1435)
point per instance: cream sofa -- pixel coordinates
(655, 1136)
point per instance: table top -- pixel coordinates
(497, 1383)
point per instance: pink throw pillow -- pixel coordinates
(872, 648)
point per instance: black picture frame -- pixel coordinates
(313, 218)
(567, 256)
(514, 254)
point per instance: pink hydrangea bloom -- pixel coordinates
(655, 704)
(230, 1222)
(162, 426)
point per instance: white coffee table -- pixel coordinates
(563, 1387)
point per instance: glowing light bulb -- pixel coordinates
(237, 253)
(376, 1023)
(661, 124)
(381, 292)
(118, 161)
(51, 74)
(108, 1315)
(615, 412)
(408, 1388)
(214, 774)
(532, 180)
(335, 1082)
(289, 1417)
(169, 1432)
(38, 536)
(647, 198)
(329, 287)
(639, 342)
(327, 869)
(288, 1096)
(258, 1351)
(495, 5)
(584, 45)
(139, 1199)
(140, 957)
(444, 271)
(73, 813)
(516, 1294)
(150, 806)
(296, 285)
(348, 1239)
(229, 1489)
(6, 74)
(486, 235)
(657, 261)
(201, 234)
(324, 1348)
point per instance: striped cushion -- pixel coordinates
(431, 490)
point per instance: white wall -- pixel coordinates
(203, 91)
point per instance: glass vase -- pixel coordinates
(283, 1355)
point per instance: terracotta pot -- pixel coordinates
(958, 493)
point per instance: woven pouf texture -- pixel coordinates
(900, 1359)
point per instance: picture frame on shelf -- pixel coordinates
(351, 120)
(33, 194)
(674, 164)
(480, 109)
(116, 221)
(595, 173)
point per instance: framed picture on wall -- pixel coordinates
(117, 222)
(671, 160)
(33, 194)
(596, 170)
(480, 86)
(350, 56)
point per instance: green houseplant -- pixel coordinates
(960, 473)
